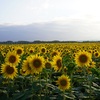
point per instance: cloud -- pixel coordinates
(64, 30)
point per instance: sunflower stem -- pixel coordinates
(46, 91)
(71, 77)
(90, 85)
(40, 85)
(64, 98)
(32, 86)
(8, 89)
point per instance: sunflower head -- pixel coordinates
(23, 72)
(57, 63)
(37, 63)
(31, 50)
(63, 82)
(12, 58)
(19, 50)
(92, 64)
(26, 66)
(43, 50)
(54, 53)
(96, 54)
(8, 71)
(65, 69)
(48, 65)
(83, 58)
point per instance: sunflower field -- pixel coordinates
(50, 71)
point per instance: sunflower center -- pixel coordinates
(37, 63)
(31, 51)
(19, 51)
(54, 54)
(59, 64)
(12, 59)
(96, 54)
(43, 50)
(9, 69)
(83, 58)
(48, 65)
(63, 82)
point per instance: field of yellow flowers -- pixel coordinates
(50, 71)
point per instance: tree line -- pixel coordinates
(38, 41)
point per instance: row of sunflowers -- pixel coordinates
(56, 71)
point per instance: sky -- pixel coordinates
(49, 20)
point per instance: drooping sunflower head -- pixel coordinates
(57, 63)
(8, 71)
(26, 66)
(83, 58)
(37, 63)
(12, 58)
(63, 82)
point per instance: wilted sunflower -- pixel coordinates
(8, 71)
(63, 82)
(57, 63)
(83, 58)
(37, 63)
(12, 58)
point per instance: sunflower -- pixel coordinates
(19, 50)
(57, 63)
(96, 54)
(26, 67)
(92, 65)
(8, 71)
(54, 53)
(12, 58)
(83, 58)
(36, 63)
(48, 64)
(63, 82)
(23, 72)
(43, 50)
(31, 50)
(65, 69)
(3, 53)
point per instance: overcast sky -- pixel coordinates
(55, 19)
